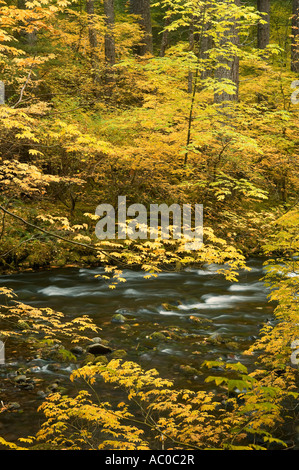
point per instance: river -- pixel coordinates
(200, 314)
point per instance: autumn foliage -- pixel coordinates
(207, 118)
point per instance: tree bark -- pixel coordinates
(295, 38)
(92, 35)
(142, 9)
(28, 38)
(229, 66)
(263, 30)
(206, 45)
(165, 37)
(191, 48)
(109, 36)
(93, 41)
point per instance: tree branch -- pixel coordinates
(51, 234)
(22, 90)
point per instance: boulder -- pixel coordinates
(118, 318)
(77, 350)
(98, 349)
(119, 354)
(96, 339)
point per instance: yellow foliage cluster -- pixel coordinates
(22, 179)
(22, 320)
(156, 415)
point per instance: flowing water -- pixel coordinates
(200, 314)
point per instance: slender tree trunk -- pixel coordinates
(92, 35)
(142, 8)
(109, 36)
(228, 68)
(28, 38)
(200, 42)
(93, 41)
(165, 37)
(191, 48)
(263, 30)
(206, 45)
(193, 78)
(295, 37)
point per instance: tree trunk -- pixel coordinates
(92, 35)
(109, 36)
(295, 38)
(29, 38)
(165, 37)
(191, 48)
(263, 30)
(205, 46)
(143, 10)
(93, 41)
(228, 68)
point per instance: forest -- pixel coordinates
(138, 342)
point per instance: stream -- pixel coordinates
(173, 323)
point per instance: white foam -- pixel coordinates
(132, 292)
(168, 312)
(257, 286)
(220, 301)
(68, 291)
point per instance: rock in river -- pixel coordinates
(77, 350)
(98, 349)
(118, 318)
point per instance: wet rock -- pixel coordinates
(146, 357)
(96, 339)
(159, 336)
(215, 338)
(199, 320)
(188, 370)
(100, 360)
(35, 369)
(119, 354)
(118, 318)
(98, 349)
(89, 359)
(14, 405)
(77, 350)
(20, 379)
(53, 367)
(164, 335)
(94, 360)
(27, 386)
(170, 308)
(232, 345)
(12, 374)
(170, 334)
(60, 354)
(24, 382)
(53, 387)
